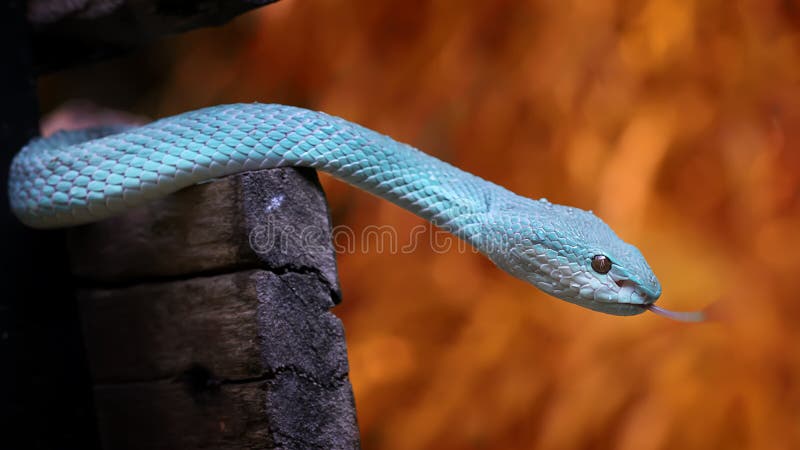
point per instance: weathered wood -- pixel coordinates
(204, 308)
(238, 222)
(224, 323)
(158, 330)
(229, 416)
(237, 360)
(69, 32)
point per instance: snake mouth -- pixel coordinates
(631, 293)
(647, 303)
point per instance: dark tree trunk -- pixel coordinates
(207, 319)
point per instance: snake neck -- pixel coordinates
(431, 194)
(440, 193)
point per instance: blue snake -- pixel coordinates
(78, 177)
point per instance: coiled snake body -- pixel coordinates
(78, 177)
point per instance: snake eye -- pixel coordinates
(601, 264)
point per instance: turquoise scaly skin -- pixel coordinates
(72, 178)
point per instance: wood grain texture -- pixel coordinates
(156, 331)
(240, 360)
(166, 415)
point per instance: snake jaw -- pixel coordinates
(630, 292)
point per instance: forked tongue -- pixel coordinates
(681, 316)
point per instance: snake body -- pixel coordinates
(72, 178)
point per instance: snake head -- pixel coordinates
(571, 254)
(615, 279)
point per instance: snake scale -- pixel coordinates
(77, 177)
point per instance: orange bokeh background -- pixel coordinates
(677, 122)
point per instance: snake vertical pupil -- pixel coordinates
(601, 264)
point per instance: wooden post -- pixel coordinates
(205, 315)
(207, 322)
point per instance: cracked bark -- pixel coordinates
(207, 321)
